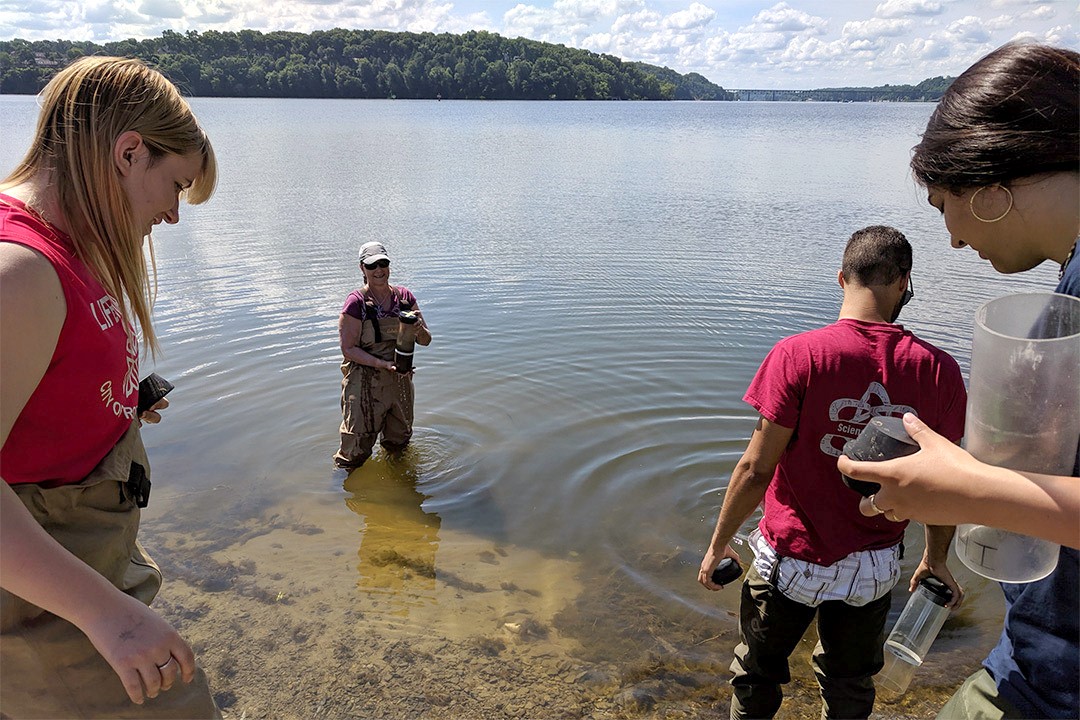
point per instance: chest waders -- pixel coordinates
(374, 400)
(48, 667)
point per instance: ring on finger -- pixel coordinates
(877, 510)
(165, 664)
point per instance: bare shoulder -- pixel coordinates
(30, 291)
(20, 264)
(32, 313)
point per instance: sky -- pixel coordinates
(739, 44)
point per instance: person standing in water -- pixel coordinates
(375, 397)
(816, 555)
(115, 149)
(999, 159)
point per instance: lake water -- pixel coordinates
(602, 280)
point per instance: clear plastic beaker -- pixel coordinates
(1023, 414)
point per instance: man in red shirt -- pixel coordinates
(815, 553)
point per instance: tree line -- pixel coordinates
(381, 64)
(366, 64)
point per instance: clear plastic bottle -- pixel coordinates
(913, 634)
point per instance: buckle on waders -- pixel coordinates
(138, 486)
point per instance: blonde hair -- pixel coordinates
(85, 108)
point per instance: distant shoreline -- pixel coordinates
(340, 63)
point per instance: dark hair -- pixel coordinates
(876, 255)
(1012, 114)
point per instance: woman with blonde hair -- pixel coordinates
(114, 150)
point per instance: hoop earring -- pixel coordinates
(971, 204)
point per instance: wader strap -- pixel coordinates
(373, 315)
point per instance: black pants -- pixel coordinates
(848, 654)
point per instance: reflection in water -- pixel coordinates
(399, 538)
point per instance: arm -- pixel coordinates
(349, 333)
(747, 487)
(944, 485)
(423, 334)
(33, 566)
(934, 562)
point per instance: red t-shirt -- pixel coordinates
(87, 398)
(827, 384)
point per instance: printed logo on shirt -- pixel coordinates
(107, 312)
(131, 379)
(851, 415)
(115, 405)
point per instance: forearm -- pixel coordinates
(36, 568)
(745, 492)
(1047, 506)
(938, 538)
(362, 357)
(423, 334)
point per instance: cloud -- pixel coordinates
(697, 15)
(904, 8)
(1062, 36)
(1043, 12)
(969, 29)
(784, 18)
(875, 28)
(161, 8)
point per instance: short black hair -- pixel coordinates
(876, 255)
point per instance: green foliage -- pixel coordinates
(366, 64)
(929, 90)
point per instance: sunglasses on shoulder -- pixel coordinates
(377, 264)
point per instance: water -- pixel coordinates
(903, 652)
(602, 280)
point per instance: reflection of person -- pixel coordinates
(815, 553)
(399, 538)
(374, 396)
(115, 148)
(999, 158)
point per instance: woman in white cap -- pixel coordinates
(375, 396)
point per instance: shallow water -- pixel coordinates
(602, 280)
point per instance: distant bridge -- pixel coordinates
(819, 95)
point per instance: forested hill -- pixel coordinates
(366, 64)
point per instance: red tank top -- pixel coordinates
(86, 400)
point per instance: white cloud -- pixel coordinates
(875, 28)
(784, 18)
(697, 15)
(969, 29)
(161, 8)
(1062, 36)
(904, 8)
(1043, 12)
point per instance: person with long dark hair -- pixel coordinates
(1000, 161)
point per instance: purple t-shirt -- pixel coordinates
(400, 297)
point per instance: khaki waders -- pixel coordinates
(48, 667)
(374, 400)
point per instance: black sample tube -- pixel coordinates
(727, 571)
(406, 341)
(883, 438)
